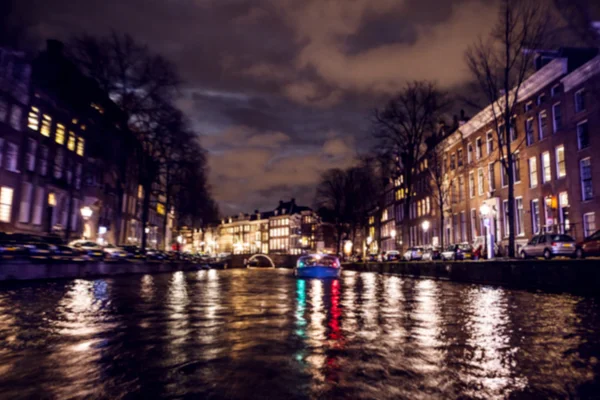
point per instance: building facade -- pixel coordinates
(553, 141)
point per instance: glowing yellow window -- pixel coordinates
(60, 134)
(33, 120)
(140, 192)
(71, 142)
(80, 145)
(6, 198)
(46, 125)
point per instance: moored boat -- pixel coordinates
(318, 266)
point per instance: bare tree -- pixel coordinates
(500, 65)
(402, 126)
(331, 201)
(440, 183)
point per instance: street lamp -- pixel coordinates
(348, 247)
(425, 226)
(486, 214)
(86, 213)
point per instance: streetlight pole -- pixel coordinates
(425, 226)
(86, 213)
(486, 214)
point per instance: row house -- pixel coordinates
(288, 229)
(67, 158)
(553, 144)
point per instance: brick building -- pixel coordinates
(554, 143)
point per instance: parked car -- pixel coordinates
(371, 257)
(392, 255)
(549, 245)
(462, 251)
(155, 255)
(413, 253)
(114, 253)
(432, 253)
(63, 252)
(39, 251)
(91, 250)
(133, 252)
(590, 246)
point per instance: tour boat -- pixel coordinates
(318, 266)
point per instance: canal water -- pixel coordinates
(263, 334)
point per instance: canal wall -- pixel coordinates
(572, 276)
(26, 270)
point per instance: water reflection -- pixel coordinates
(264, 334)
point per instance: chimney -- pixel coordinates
(54, 47)
(256, 212)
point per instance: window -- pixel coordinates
(452, 161)
(492, 176)
(461, 188)
(12, 154)
(3, 109)
(58, 164)
(505, 213)
(33, 120)
(561, 169)
(513, 130)
(556, 117)
(528, 106)
(46, 125)
(520, 223)
(535, 216)
(453, 197)
(517, 167)
(25, 207)
(583, 135)
(31, 154)
(44, 160)
(543, 124)
(473, 223)
(490, 142)
(6, 197)
(541, 99)
(585, 170)
(480, 181)
(478, 148)
(555, 91)
(579, 101)
(589, 224)
(533, 174)
(459, 155)
(546, 169)
(80, 146)
(15, 117)
(471, 184)
(60, 134)
(469, 153)
(38, 206)
(71, 142)
(529, 131)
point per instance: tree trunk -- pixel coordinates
(69, 213)
(166, 223)
(145, 212)
(442, 226)
(511, 204)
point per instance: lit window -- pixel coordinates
(546, 168)
(533, 176)
(46, 125)
(80, 145)
(561, 169)
(6, 197)
(33, 121)
(60, 134)
(160, 209)
(71, 142)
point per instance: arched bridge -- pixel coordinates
(257, 258)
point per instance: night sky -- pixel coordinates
(280, 90)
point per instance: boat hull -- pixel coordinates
(317, 272)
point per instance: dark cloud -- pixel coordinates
(280, 90)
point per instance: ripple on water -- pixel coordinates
(264, 334)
